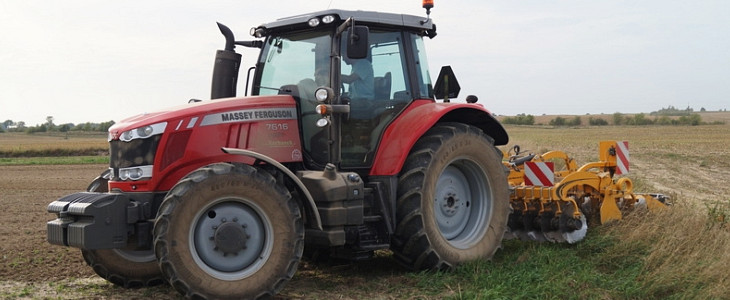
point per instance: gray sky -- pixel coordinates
(94, 61)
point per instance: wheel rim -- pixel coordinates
(462, 203)
(232, 238)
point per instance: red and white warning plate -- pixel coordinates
(539, 173)
(622, 157)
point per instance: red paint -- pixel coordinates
(277, 138)
(419, 117)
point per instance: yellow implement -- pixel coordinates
(557, 205)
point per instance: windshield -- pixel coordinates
(293, 58)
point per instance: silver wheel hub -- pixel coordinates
(232, 238)
(462, 203)
(450, 204)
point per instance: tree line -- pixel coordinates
(641, 119)
(50, 126)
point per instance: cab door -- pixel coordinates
(392, 91)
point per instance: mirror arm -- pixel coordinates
(349, 22)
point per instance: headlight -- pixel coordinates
(322, 122)
(143, 132)
(257, 32)
(328, 19)
(313, 22)
(135, 173)
(324, 94)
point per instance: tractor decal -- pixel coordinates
(249, 115)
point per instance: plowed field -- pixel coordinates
(691, 163)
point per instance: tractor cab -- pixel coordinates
(351, 73)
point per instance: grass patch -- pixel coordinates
(687, 249)
(34, 145)
(525, 270)
(63, 160)
(53, 152)
(677, 253)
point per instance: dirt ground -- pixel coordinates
(692, 163)
(25, 192)
(31, 268)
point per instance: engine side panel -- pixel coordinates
(194, 136)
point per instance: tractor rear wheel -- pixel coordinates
(228, 231)
(453, 201)
(125, 268)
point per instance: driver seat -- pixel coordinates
(382, 87)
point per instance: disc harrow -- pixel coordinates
(554, 200)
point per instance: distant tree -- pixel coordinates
(618, 118)
(576, 121)
(520, 119)
(640, 119)
(49, 123)
(673, 111)
(8, 123)
(664, 120)
(558, 121)
(34, 129)
(702, 109)
(65, 127)
(597, 122)
(20, 125)
(693, 120)
(104, 126)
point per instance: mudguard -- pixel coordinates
(419, 117)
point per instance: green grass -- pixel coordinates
(61, 160)
(526, 270)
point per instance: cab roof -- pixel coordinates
(380, 19)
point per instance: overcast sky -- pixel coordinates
(94, 61)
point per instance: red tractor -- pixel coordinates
(340, 149)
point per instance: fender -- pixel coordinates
(311, 206)
(419, 117)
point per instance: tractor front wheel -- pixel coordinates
(125, 268)
(228, 231)
(453, 200)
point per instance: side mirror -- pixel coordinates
(357, 42)
(447, 86)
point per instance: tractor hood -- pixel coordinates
(203, 113)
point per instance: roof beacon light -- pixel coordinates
(428, 5)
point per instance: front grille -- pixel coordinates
(138, 152)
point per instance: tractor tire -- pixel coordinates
(228, 231)
(125, 268)
(453, 199)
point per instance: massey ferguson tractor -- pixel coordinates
(341, 149)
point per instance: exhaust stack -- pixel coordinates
(225, 69)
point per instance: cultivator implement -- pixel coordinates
(555, 200)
